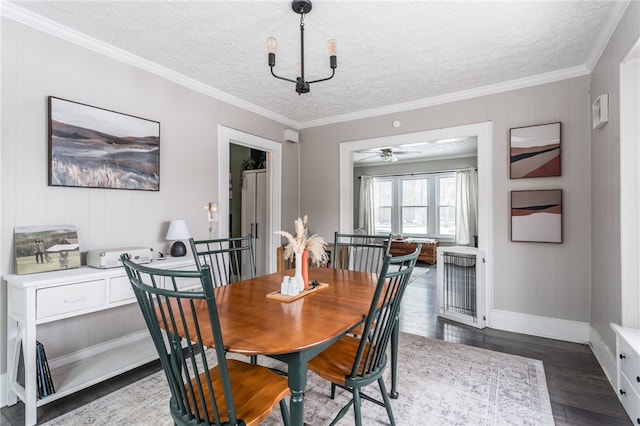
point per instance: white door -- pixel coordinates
(254, 214)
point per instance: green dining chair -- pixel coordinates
(366, 253)
(357, 361)
(206, 387)
(229, 259)
(360, 252)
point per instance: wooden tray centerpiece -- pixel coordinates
(276, 295)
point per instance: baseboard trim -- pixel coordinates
(3, 390)
(604, 356)
(554, 328)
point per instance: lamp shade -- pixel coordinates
(178, 230)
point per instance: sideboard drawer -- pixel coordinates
(63, 299)
(629, 364)
(120, 289)
(630, 400)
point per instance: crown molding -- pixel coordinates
(606, 32)
(492, 89)
(38, 22)
(48, 26)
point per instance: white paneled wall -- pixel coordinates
(36, 65)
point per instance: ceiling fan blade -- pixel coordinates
(371, 156)
(403, 152)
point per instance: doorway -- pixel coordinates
(247, 198)
(629, 183)
(273, 156)
(484, 134)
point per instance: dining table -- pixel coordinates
(294, 331)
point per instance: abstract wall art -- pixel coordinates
(535, 151)
(536, 216)
(96, 148)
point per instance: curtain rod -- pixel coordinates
(418, 173)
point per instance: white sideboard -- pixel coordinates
(42, 298)
(628, 369)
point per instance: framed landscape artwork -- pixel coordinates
(536, 216)
(46, 248)
(96, 148)
(535, 151)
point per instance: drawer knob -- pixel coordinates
(622, 356)
(638, 379)
(623, 392)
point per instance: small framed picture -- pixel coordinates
(46, 248)
(536, 216)
(535, 151)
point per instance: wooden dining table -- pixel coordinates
(295, 331)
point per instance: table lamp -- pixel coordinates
(178, 231)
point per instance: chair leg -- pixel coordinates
(357, 406)
(285, 412)
(387, 401)
(342, 412)
(333, 390)
(394, 357)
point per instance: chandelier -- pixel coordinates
(302, 7)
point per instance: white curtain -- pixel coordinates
(466, 206)
(366, 208)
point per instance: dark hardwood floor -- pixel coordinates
(580, 393)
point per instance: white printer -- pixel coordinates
(110, 258)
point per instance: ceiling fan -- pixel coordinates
(388, 154)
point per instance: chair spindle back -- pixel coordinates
(230, 259)
(364, 253)
(385, 306)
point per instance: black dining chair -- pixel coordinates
(360, 252)
(206, 387)
(357, 361)
(230, 259)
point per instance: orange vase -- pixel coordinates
(305, 268)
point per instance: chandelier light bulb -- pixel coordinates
(271, 45)
(332, 45)
(301, 7)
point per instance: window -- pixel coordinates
(383, 204)
(422, 205)
(414, 208)
(447, 205)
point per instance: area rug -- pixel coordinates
(417, 272)
(440, 383)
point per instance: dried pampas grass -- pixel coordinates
(315, 244)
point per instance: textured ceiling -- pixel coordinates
(389, 52)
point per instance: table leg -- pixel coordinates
(297, 383)
(394, 358)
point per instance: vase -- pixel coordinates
(305, 269)
(302, 270)
(298, 276)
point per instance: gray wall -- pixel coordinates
(605, 181)
(549, 280)
(36, 65)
